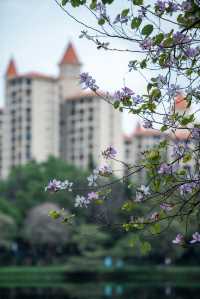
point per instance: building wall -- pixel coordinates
(87, 128)
(45, 120)
(31, 121)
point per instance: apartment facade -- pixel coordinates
(88, 126)
(51, 116)
(143, 139)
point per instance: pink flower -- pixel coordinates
(93, 195)
(179, 239)
(195, 238)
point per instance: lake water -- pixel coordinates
(102, 291)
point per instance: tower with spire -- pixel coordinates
(69, 71)
(11, 71)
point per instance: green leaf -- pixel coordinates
(168, 42)
(187, 119)
(155, 228)
(145, 248)
(136, 23)
(133, 241)
(164, 128)
(116, 104)
(93, 4)
(101, 22)
(146, 30)
(128, 206)
(125, 12)
(187, 157)
(64, 2)
(158, 38)
(155, 94)
(54, 214)
(138, 2)
(143, 64)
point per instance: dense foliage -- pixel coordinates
(30, 236)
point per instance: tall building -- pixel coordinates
(143, 139)
(88, 126)
(46, 115)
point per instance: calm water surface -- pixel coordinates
(101, 291)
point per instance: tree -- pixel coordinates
(39, 229)
(164, 39)
(7, 229)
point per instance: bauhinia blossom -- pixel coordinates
(179, 240)
(55, 185)
(109, 153)
(195, 238)
(105, 170)
(141, 193)
(81, 201)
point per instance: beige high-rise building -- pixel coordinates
(46, 115)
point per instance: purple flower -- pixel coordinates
(172, 90)
(142, 12)
(179, 149)
(109, 153)
(192, 52)
(196, 133)
(121, 19)
(178, 240)
(166, 207)
(195, 238)
(147, 124)
(187, 188)
(161, 81)
(55, 186)
(186, 5)
(105, 170)
(172, 7)
(146, 44)
(101, 9)
(137, 99)
(124, 93)
(93, 195)
(180, 38)
(167, 169)
(160, 6)
(88, 81)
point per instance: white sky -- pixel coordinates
(36, 33)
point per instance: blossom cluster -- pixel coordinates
(88, 81)
(180, 240)
(84, 201)
(56, 185)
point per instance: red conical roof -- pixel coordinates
(11, 69)
(70, 56)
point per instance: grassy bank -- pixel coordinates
(58, 275)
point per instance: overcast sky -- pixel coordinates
(36, 33)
